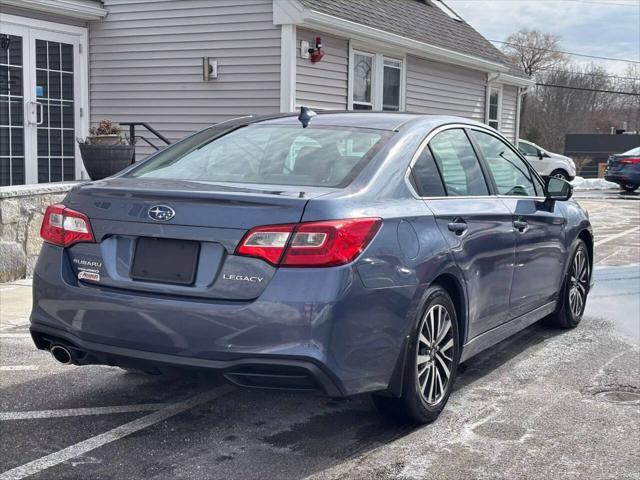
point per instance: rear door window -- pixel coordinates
(458, 164)
(510, 173)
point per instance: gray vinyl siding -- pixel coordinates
(322, 85)
(441, 89)
(509, 106)
(145, 62)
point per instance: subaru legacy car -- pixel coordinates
(339, 252)
(624, 169)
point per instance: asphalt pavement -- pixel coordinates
(543, 404)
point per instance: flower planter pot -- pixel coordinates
(104, 140)
(102, 161)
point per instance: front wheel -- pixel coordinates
(573, 297)
(560, 174)
(629, 188)
(431, 364)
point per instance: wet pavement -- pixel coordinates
(545, 403)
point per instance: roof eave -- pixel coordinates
(68, 8)
(292, 12)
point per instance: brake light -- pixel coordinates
(64, 226)
(312, 244)
(630, 160)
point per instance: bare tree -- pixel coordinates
(534, 51)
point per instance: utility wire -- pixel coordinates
(596, 2)
(588, 89)
(567, 53)
(636, 79)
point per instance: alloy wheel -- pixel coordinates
(579, 282)
(435, 352)
(560, 175)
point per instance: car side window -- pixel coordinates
(458, 164)
(527, 149)
(510, 172)
(425, 177)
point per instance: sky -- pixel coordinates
(607, 28)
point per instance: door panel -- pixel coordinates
(12, 157)
(484, 252)
(540, 254)
(54, 68)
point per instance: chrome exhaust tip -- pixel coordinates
(61, 354)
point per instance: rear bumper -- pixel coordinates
(251, 371)
(623, 177)
(317, 327)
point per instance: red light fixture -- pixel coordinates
(311, 244)
(64, 227)
(316, 54)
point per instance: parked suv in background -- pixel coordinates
(624, 169)
(349, 253)
(547, 163)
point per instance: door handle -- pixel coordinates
(458, 226)
(520, 224)
(35, 113)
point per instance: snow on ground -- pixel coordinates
(580, 183)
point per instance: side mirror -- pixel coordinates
(558, 189)
(540, 154)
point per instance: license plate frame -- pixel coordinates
(165, 260)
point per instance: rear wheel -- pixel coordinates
(630, 188)
(559, 173)
(573, 297)
(431, 364)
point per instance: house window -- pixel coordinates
(362, 81)
(494, 107)
(376, 82)
(391, 85)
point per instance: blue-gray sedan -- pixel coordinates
(344, 252)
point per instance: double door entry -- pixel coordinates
(40, 99)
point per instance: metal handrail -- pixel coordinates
(132, 134)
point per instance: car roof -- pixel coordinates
(374, 120)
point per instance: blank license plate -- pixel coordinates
(165, 260)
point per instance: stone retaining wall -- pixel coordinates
(21, 211)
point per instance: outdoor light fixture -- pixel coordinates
(318, 52)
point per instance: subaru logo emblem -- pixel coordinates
(161, 213)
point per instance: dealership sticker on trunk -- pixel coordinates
(88, 269)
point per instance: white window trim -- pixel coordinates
(377, 75)
(491, 86)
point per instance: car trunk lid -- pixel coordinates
(189, 254)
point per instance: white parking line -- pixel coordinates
(17, 368)
(617, 235)
(78, 412)
(117, 433)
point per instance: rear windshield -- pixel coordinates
(268, 154)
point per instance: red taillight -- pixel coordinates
(630, 160)
(313, 244)
(63, 226)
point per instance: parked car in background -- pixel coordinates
(547, 163)
(624, 169)
(343, 252)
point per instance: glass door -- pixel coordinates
(54, 110)
(12, 134)
(41, 92)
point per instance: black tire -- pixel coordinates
(560, 174)
(414, 406)
(569, 313)
(629, 188)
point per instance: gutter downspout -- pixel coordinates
(521, 93)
